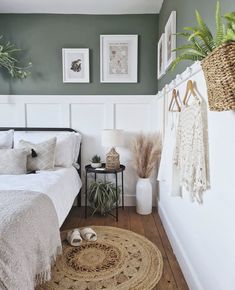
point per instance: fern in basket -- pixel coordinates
(200, 40)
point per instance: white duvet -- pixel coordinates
(61, 185)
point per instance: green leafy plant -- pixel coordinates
(10, 63)
(96, 159)
(102, 196)
(200, 40)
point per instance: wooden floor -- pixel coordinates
(149, 226)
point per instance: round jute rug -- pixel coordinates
(120, 260)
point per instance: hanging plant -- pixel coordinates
(201, 41)
(217, 55)
(10, 63)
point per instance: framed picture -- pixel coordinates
(170, 40)
(161, 56)
(118, 58)
(75, 65)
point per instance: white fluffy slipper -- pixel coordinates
(74, 238)
(88, 234)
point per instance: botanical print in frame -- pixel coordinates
(75, 65)
(118, 58)
(170, 40)
(161, 56)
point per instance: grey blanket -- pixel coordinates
(29, 239)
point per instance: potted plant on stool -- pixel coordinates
(96, 161)
(146, 151)
(103, 196)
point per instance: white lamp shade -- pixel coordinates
(112, 137)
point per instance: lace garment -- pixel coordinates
(191, 150)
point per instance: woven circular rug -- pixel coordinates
(120, 260)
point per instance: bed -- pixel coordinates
(59, 186)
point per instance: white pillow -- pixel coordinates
(45, 154)
(6, 139)
(67, 145)
(13, 161)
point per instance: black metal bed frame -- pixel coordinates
(51, 129)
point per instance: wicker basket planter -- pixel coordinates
(219, 71)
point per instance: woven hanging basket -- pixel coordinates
(219, 71)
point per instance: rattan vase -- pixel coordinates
(219, 71)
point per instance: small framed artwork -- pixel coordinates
(118, 58)
(75, 65)
(170, 40)
(161, 56)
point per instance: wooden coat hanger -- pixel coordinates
(174, 101)
(189, 91)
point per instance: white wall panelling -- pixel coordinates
(89, 115)
(202, 236)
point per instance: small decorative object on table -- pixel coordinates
(96, 161)
(112, 138)
(103, 195)
(146, 151)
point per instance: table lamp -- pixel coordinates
(112, 138)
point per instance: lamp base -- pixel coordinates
(112, 160)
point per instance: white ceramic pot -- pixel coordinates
(96, 165)
(144, 196)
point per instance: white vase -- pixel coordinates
(144, 196)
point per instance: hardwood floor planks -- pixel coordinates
(167, 281)
(179, 278)
(149, 226)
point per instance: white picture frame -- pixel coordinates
(170, 40)
(161, 57)
(118, 58)
(76, 67)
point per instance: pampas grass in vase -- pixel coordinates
(146, 150)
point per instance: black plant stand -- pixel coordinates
(103, 170)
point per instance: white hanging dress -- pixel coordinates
(168, 172)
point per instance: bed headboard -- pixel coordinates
(38, 129)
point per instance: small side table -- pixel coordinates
(103, 170)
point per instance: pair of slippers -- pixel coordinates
(75, 237)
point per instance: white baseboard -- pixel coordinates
(184, 262)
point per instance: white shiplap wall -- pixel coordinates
(89, 115)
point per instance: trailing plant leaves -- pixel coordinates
(102, 196)
(185, 56)
(219, 26)
(200, 39)
(9, 62)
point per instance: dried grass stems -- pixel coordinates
(146, 150)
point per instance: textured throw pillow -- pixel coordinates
(13, 161)
(6, 139)
(43, 157)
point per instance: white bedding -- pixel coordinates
(61, 185)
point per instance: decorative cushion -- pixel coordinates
(13, 161)
(6, 139)
(65, 150)
(44, 158)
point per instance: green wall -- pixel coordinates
(43, 36)
(185, 17)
